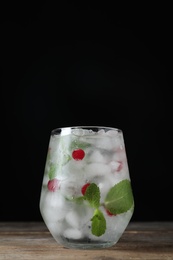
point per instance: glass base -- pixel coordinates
(85, 244)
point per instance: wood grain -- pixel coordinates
(32, 240)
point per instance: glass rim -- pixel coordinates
(58, 130)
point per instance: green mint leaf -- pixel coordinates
(92, 195)
(65, 159)
(63, 156)
(98, 223)
(119, 198)
(52, 171)
(54, 168)
(77, 144)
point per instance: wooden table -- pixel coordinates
(32, 240)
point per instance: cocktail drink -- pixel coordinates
(86, 197)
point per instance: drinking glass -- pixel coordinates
(86, 198)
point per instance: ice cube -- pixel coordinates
(104, 187)
(73, 171)
(108, 140)
(71, 187)
(73, 219)
(115, 178)
(122, 221)
(97, 157)
(101, 132)
(104, 143)
(79, 216)
(119, 169)
(115, 166)
(82, 132)
(74, 168)
(53, 206)
(73, 233)
(116, 143)
(94, 169)
(112, 133)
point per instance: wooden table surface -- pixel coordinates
(32, 240)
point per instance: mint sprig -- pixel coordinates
(118, 200)
(92, 195)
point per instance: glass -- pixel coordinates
(86, 196)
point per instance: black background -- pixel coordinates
(75, 63)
